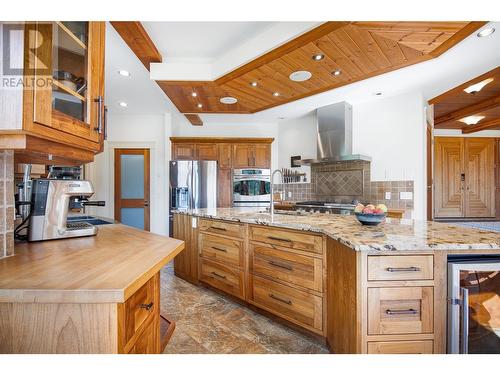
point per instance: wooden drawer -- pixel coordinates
(401, 347)
(282, 265)
(400, 267)
(139, 307)
(400, 310)
(222, 250)
(292, 239)
(222, 227)
(296, 306)
(227, 279)
(148, 341)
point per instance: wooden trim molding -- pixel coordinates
(194, 119)
(454, 91)
(137, 38)
(470, 110)
(482, 126)
(220, 140)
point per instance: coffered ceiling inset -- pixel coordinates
(348, 52)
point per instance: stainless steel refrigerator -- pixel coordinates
(193, 184)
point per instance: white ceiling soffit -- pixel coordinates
(209, 67)
(468, 59)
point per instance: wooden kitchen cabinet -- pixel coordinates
(230, 153)
(242, 155)
(63, 113)
(262, 156)
(225, 188)
(183, 151)
(251, 155)
(186, 263)
(225, 155)
(207, 151)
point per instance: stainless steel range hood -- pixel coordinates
(334, 126)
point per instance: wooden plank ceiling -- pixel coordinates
(358, 50)
(456, 104)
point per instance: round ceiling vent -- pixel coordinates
(228, 100)
(300, 76)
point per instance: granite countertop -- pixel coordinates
(394, 234)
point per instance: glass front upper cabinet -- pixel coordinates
(68, 56)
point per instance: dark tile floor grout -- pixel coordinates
(207, 322)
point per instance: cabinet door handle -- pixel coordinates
(146, 203)
(279, 239)
(218, 275)
(403, 269)
(219, 249)
(147, 307)
(287, 301)
(401, 312)
(105, 122)
(219, 228)
(280, 265)
(99, 101)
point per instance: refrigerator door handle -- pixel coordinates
(464, 311)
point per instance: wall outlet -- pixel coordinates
(289, 194)
(405, 195)
(387, 195)
(194, 223)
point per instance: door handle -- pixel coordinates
(464, 309)
(99, 101)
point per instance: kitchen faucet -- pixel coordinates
(271, 209)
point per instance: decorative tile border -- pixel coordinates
(7, 210)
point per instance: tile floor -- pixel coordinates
(207, 322)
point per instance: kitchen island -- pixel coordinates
(364, 289)
(95, 294)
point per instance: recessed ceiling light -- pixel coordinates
(124, 73)
(471, 120)
(276, 94)
(194, 95)
(300, 76)
(123, 104)
(199, 105)
(228, 100)
(486, 32)
(336, 72)
(472, 89)
(318, 57)
(254, 84)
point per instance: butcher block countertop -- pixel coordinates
(392, 235)
(106, 268)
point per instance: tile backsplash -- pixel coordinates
(344, 182)
(6, 203)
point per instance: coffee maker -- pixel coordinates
(50, 200)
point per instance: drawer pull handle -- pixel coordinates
(218, 275)
(403, 269)
(401, 312)
(147, 307)
(287, 301)
(219, 228)
(279, 239)
(219, 249)
(276, 264)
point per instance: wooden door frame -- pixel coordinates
(147, 181)
(430, 171)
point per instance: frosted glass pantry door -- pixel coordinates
(132, 187)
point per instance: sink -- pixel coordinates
(88, 219)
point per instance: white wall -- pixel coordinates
(181, 127)
(297, 137)
(390, 130)
(135, 131)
